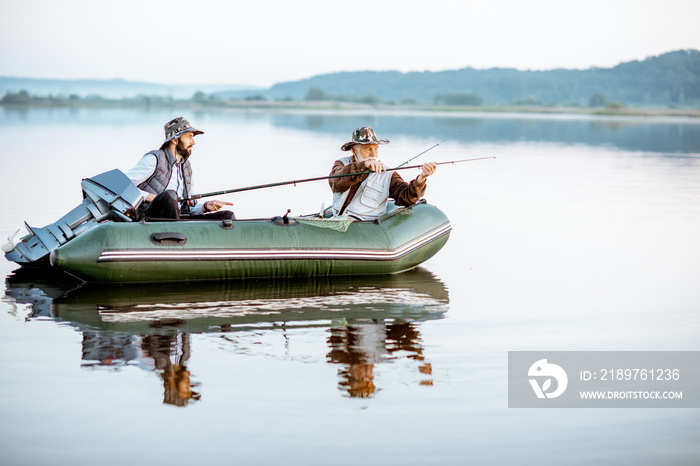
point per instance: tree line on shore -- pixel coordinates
(668, 80)
(314, 95)
(671, 80)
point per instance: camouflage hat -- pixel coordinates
(364, 135)
(177, 127)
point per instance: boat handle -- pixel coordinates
(169, 238)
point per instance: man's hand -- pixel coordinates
(213, 206)
(426, 170)
(374, 165)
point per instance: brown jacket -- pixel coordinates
(404, 194)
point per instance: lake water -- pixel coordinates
(582, 234)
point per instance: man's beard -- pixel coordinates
(183, 150)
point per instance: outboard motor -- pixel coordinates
(108, 196)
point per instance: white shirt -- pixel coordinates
(145, 168)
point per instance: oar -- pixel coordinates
(318, 178)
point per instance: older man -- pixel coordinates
(364, 197)
(164, 176)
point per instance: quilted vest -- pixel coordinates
(370, 199)
(160, 178)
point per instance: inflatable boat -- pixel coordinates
(99, 242)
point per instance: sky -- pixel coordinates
(264, 42)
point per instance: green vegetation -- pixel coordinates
(671, 79)
(23, 98)
(668, 83)
(201, 101)
(459, 99)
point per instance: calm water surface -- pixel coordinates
(580, 235)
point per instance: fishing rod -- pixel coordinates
(294, 182)
(318, 178)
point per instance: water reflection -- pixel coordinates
(669, 135)
(655, 135)
(166, 355)
(359, 345)
(368, 320)
(170, 354)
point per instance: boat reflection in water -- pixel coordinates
(369, 321)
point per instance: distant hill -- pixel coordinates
(668, 80)
(671, 79)
(110, 89)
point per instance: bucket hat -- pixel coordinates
(176, 128)
(364, 135)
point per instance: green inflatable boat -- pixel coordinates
(239, 249)
(98, 242)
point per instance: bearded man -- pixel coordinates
(164, 176)
(364, 197)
